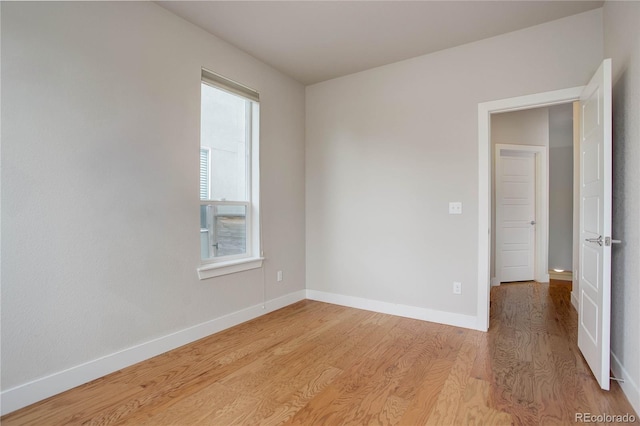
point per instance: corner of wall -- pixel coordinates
(45, 387)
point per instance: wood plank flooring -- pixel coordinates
(319, 364)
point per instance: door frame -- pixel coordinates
(485, 109)
(541, 243)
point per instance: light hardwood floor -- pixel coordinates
(315, 363)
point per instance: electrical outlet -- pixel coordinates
(279, 276)
(457, 287)
(455, 207)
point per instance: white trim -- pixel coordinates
(212, 270)
(574, 298)
(224, 203)
(541, 244)
(39, 389)
(256, 194)
(575, 289)
(495, 282)
(629, 386)
(485, 110)
(415, 312)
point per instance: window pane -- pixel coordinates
(224, 131)
(224, 232)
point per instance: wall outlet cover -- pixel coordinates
(455, 207)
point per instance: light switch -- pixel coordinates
(455, 207)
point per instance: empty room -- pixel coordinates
(320, 212)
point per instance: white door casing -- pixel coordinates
(594, 315)
(515, 214)
(485, 110)
(575, 288)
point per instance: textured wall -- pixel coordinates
(388, 148)
(561, 208)
(561, 187)
(622, 45)
(526, 127)
(100, 206)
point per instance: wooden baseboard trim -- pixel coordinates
(562, 276)
(42, 388)
(448, 318)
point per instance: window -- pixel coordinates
(229, 177)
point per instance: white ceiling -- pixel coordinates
(313, 41)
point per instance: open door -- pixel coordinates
(594, 315)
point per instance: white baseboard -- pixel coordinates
(449, 318)
(495, 282)
(629, 386)
(39, 389)
(574, 300)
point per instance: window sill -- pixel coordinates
(212, 270)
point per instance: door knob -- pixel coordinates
(533, 222)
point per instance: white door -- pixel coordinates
(515, 215)
(594, 316)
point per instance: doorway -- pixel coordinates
(546, 250)
(594, 267)
(485, 110)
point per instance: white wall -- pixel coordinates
(100, 206)
(388, 148)
(561, 187)
(526, 127)
(622, 44)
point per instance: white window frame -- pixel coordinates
(252, 258)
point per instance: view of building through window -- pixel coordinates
(225, 192)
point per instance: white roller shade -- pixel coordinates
(220, 82)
